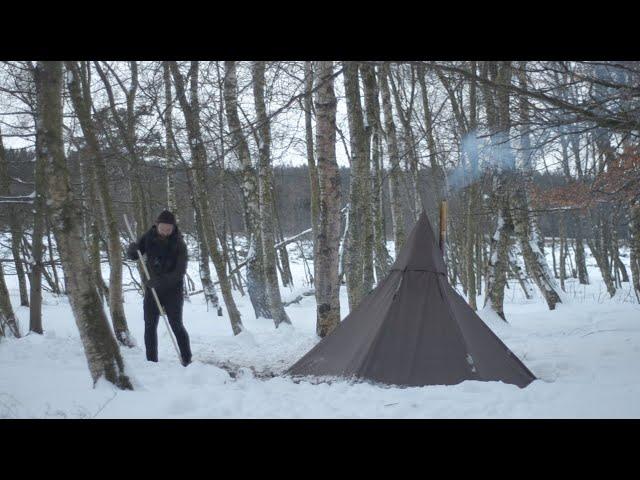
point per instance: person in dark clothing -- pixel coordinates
(167, 258)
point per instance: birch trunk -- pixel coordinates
(498, 124)
(210, 295)
(598, 250)
(16, 240)
(37, 247)
(327, 242)
(523, 219)
(14, 224)
(311, 161)
(498, 261)
(473, 197)
(634, 250)
(92, 231)
(8, 320)
(615, 249)
(563, 252)
(53, 279)
(409, 152)
(535, 261)
(518, 272)
(191, 111)
(265, 188)
(169, 151)
(82, 104)
(381, 255)
(100, 346)
(581, 265)
(256, 286)
(395, 173)
(283, 254)
(359, 212)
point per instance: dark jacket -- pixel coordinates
(166, 259)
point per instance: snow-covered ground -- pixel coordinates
(585, 354)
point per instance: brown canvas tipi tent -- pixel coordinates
(414, 329)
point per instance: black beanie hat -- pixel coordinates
(166, 217)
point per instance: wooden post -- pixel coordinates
(443, 225)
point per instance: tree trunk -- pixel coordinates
(82, 104)
(191, 111)
(8, 320)
(16, 240)
(285, 270)
(37, 247)
(360, 213)
(265, 188)
(313, 171)
(395, 173)
(581, 265)
(100, 346)
(250, 190)
(376, 232)
(498, 261)
(534, 259)
(634, 250)
(524, 220)
(563, 251)
(328, 237)
(92, 206)
(599, 252)
(473, 197)
(516, 268)
(615, 249)
(169, 151)
(210, 295)
(498, 124)
(14, 224)
(7, 315)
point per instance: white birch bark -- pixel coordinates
(326, 262)
(100, 346)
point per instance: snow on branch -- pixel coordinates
(18, 199)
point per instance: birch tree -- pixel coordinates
(79, 89)
(267, 230)
(326, 261)
(395, 171)
(500, 240)
(250, 190)
(359, 245)
(12, 212)
(191, 111)
(311, 161)
(8, 320)
(100, 346)
(374, 139)
(534, 259)
(37, 246)
(168, 132)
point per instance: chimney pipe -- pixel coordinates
(443, 225)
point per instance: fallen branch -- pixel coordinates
(308, 293)
(18, 199)
(289, 240)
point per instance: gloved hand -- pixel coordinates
(154, 282)
(132, 250)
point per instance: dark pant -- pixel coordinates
(172, 303)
